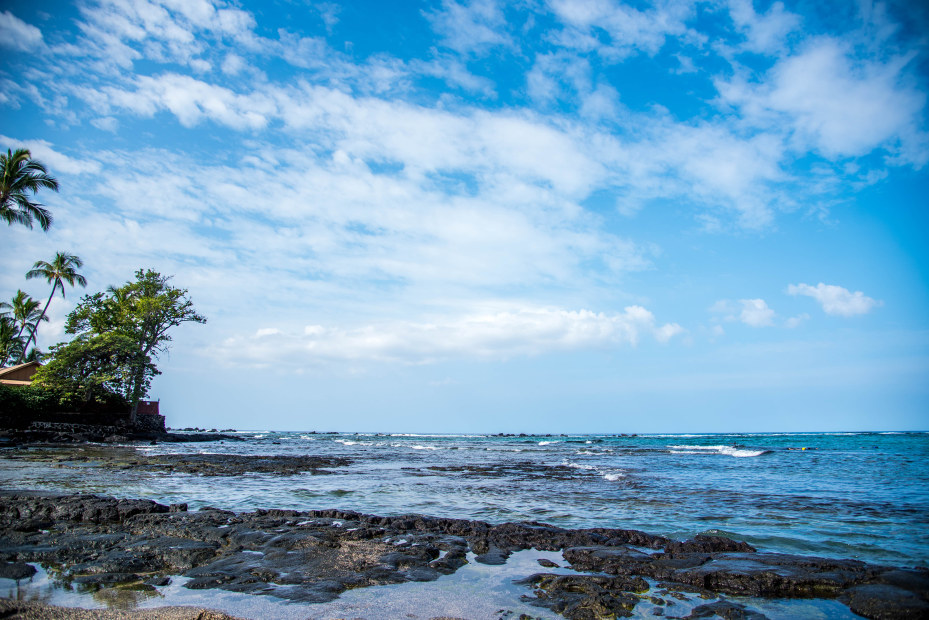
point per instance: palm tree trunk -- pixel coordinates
(32, 336)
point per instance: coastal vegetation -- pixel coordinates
(63, 268)
(21, 177)
(21, 316)
(109, 363)
(118, 335)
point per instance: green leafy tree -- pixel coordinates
(24, 311)
(63, 268)
(143, 311)
(22, 178)
(93, 370)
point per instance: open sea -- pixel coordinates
(844, 495)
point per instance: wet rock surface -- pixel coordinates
(200, 464)
(313, 556)
(55, 433)
(582, 597)
(28, 610)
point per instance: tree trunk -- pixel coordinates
(138, 377)
(32, 336)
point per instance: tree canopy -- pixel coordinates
(118, 335)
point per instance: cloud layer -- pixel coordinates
(496, 336)
(836, 300)
(299, 171)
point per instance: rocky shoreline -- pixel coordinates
(314, 556)
(117, 458)
(27, 610)
(68, 433)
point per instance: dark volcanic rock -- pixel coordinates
(707, 544)
(727, 610)
(547, 563)
(886, 602)
(773, 575)
(200, 464)
(582, 597)
(16, 570)
(315, 555)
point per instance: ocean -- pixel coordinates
(845, 495)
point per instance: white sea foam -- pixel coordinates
(547, 443)
(349, 442)
(417, 447)
(726, 450)
(578, 465)
(613, 477)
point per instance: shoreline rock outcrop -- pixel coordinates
(313, 556)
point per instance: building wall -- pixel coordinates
(22, 374)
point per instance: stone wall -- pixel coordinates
(150, 423)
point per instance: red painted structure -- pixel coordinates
(148, 407)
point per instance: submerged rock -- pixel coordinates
(583, 597)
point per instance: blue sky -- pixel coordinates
(539, 216)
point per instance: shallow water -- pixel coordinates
(852, 495)
(475, 591)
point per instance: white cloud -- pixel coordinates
(189, 99)
(471, 26)
(455, 73)
(121, 31)
(627, 29)
(836, 103)
(18, 35)
(232, 64)
(752, 312)
(106, 123)
(796, 321)
(56, 162)
(835, 300)
(763, 33)
(500, 335)
(756, 313)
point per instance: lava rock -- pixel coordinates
(16, 570)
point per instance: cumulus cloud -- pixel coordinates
(835, 300)
(836, 103)
(18, 35)
(500, 335)
(756, 313)
(751, 312)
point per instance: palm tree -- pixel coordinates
(26, 316)
(63, 268)
(21, 175)
(11, 346)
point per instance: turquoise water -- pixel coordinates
(850, 495)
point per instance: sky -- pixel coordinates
(545, 216)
